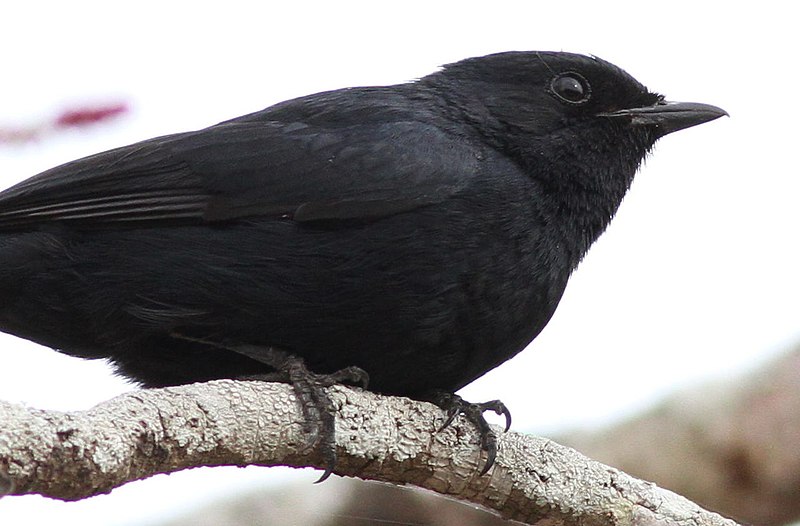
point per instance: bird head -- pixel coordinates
(536, 94)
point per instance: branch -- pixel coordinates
(75, 455)
(731, 445)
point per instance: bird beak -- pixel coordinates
(667, 117)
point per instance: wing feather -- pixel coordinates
(243, 169)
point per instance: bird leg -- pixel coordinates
(454, 405)
(309, 388)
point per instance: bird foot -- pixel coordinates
(309, 388)
(454, 405)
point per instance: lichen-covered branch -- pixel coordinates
(732, 445)
(75, 455)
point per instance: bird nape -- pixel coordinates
(415, 235)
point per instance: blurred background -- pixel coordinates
(696, 280)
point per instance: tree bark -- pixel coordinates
(75, 455)
(732, 446)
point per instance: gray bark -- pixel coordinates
(75, 455)
(732, 445)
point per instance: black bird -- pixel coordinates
(421, 233)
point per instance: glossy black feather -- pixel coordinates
(257, 166)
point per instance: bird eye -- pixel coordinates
(571, 88)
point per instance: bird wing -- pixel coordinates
(246, 169)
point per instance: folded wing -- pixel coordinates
(246, 169)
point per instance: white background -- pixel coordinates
(696, 278)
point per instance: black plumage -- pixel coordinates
(423, 232)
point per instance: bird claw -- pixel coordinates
(355, 376)
(319, 413)
(452, 412)
(318, 409)
(499, 408)
(317, 406)
(454, 405)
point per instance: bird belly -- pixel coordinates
(419, 305)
